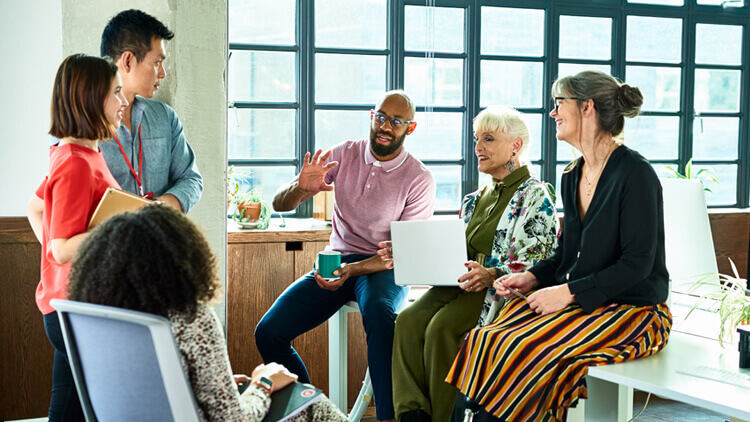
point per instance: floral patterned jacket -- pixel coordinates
(526, 234)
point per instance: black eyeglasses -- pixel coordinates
(556, 102)
(381, 118)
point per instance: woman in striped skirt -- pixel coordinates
(599, 298)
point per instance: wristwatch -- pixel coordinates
(266, 383)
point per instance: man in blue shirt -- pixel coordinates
(150, 155)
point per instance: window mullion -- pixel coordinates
(395, 42)
(472, 73)
(743, 170)
(685, 150)
(306, 90)
(549, 148)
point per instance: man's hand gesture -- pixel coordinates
(312, 176)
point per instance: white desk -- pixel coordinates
(608, 385)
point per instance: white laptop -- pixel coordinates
(431, 252)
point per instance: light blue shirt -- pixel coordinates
(168, 161)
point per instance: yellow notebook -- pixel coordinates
(115, 201)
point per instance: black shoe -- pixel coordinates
(418, 415)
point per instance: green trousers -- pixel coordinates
(427, 338)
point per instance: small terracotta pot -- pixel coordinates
(251, 210)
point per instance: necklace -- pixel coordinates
(591, 184)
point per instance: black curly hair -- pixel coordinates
(152, 260)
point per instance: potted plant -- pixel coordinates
(703, 175)
(248, 205)
(235, 177)
(729, 297)
(252, 212)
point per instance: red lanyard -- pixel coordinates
(149, 195)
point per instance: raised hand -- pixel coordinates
(312, 176)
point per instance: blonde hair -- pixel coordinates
(504, 119)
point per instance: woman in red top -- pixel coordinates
(86, 106)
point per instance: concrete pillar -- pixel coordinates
(195, 87)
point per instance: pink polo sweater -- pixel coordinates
(370, 194)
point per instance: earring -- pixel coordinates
(510, 165)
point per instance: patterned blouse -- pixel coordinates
(525, 234)
(204, 357)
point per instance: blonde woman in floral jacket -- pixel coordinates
(511, 224)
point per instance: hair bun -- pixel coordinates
(629, 100)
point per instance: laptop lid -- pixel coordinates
(431, 252)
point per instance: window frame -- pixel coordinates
(618, 10)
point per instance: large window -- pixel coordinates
(303, 74)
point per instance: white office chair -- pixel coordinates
(126, 365)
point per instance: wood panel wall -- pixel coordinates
(25, 352)
(259, 267)
(26, 355)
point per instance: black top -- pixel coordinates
(616, 255)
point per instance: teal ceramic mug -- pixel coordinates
(327, 262)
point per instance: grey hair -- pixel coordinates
(504, 119)
(613, 100)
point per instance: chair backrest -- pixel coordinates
(126, 364)
(688, 243)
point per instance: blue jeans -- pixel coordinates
(303, 306)
(65, 405)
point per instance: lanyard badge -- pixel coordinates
(137, 175)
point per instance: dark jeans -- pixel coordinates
(303, 306)
(65, 405)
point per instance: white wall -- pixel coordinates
(37, 34)
(31, 50)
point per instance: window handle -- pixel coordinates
(231, 105)
(697, 115)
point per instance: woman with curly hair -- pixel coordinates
(511, 224)
(156, 260)
(600, 297)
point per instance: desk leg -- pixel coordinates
(608, 402)
(337, 370)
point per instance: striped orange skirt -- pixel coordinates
(529, 367)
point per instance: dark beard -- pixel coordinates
(385, 150)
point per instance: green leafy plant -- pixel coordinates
(253, 196)
(235, 177)
(729, 298)
(702, 175)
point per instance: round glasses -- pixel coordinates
(396, 123)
